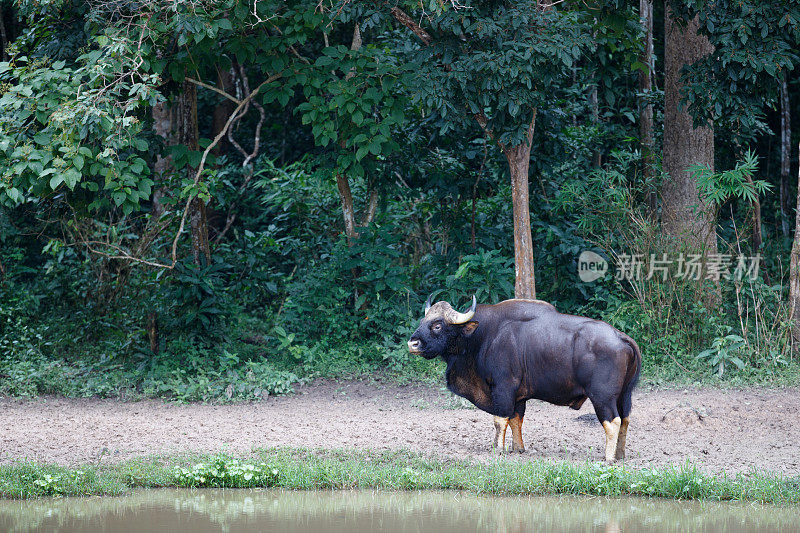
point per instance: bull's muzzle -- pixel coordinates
(415, 346)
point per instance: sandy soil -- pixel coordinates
(734, 430)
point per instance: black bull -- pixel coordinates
(499, 356)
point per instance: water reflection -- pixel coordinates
(203, 511)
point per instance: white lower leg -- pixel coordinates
(612, 433)
(500, 425)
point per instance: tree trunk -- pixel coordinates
(342, 182)
(595, 110)
(794, 268)
(645, 107)
(152, 331)
(188, 136)
(162, 124)
(223, 110)
(3, 35)
(786, 149)
(756, 237)
(518, 158)
(201, 251)
(372, 206)
(684, 215)
(348, 211)
(594, 107)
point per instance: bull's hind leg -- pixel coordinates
(517, 444)
(624, 406)
(623, 434)
(609, 416)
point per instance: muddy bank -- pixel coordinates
(734, 430)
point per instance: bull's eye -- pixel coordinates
(436, 328)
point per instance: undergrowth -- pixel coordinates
(315, 470)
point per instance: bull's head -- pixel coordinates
(441, 329)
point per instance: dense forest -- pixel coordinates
(218, 199)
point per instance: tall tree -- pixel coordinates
(352, 104)
(342, 180)
(794, 268)
(499, 64)
(645, 102)
(518, 157)
(685, 215)
(188, 136)
(786, 155)
(4, 37)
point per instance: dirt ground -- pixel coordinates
(731, 430)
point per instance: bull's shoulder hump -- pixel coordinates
(522, 303)
(519, 309)
(529, 300)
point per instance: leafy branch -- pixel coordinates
(719, 187)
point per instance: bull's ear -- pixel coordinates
(469, 328)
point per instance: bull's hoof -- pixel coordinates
(514, 449)
(619, 456)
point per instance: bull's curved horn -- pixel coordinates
(461, 318)
(427, 304)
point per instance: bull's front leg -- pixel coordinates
(517, 444)
(499, 442)
(504, 415)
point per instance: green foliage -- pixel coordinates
(198, 299)
(352, 105)
(499, 61)
(57, 142)
(670, 318)
(486, 274)
(603, 198)
(286, 297)
(719, 187)
(226, 472)
(755, 46)
(29, 480)
(722, 351)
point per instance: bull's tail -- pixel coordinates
(631, 377)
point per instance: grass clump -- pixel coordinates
(315, 470)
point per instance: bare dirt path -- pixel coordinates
(732, 430)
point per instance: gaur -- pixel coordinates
(499, 356)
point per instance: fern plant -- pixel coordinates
(719, 187)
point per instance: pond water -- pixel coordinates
(201, 511)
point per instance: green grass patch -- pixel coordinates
(314, 470)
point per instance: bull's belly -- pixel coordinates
(568, 396)
(478, 392)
